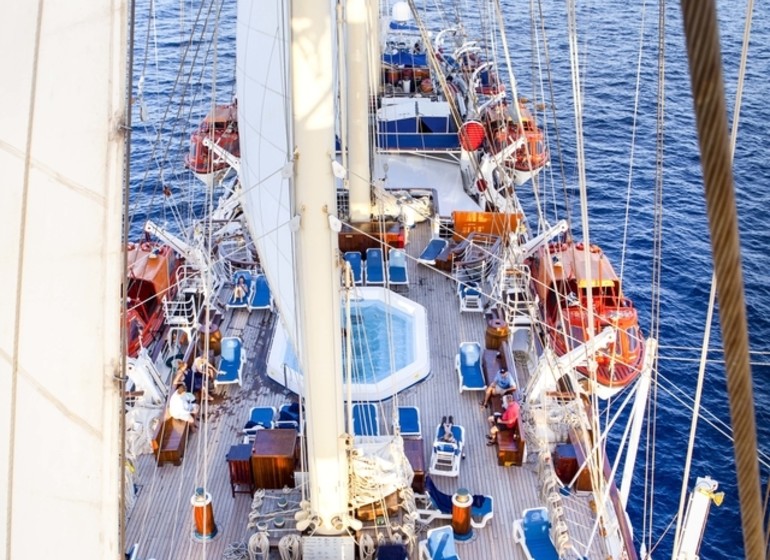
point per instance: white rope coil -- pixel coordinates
(259, 546)
(290, 547)
(365, 547)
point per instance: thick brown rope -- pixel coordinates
(702, 37)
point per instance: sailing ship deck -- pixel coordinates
(161, 520)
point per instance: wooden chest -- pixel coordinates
(169, 442)
(415, 452)
(510, 448)
(273, 458)
(566, 461)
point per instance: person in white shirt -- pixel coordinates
(181, 406)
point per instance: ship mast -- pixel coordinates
(317, 278)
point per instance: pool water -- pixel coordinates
(389, 340)
(381, 341)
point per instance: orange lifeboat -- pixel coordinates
(533, 155)
(152, 270)
(558, 273)
(221, 126)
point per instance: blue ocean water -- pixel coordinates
(164, 191)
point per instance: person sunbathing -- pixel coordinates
(240, 290)
(448, 436)
(505, 421)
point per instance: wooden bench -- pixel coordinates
(510, 447)
(169, 442)
(492, 361)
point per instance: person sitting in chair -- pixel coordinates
(241, 290)
(448, 436)
(506, 421)
(181, 406)
(195, 379)
(502, 384)
(203, 372)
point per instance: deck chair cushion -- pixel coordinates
(409, 420)
(231, 362)
(354, 258)
(260, 296)
(365, 420)
(375, 273)
(397, 273)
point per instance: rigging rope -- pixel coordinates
(657, 262)
(702, 39)
(712, 297)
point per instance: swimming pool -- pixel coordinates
(390, 347)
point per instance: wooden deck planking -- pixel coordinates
(162, 517)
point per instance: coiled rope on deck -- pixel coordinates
(290, 547)
(259, 546)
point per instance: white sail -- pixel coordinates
(264, 114)
(61, 148)
(266, 121)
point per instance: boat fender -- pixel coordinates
(146, 246)
(130, 246)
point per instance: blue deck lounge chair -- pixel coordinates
(366, 421)
(243, 303)
(261, 298)
(409, 421)
(440, 544)
(468, 366)
(397, 274)
(375, 272)
(469, 294)
(289, 416)
(432, 251)
(289, 411)
(354, 258)
(445, 457)
(260, 417)
(482, 507)
(231, 363)
(532, 532)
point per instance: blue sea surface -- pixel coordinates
(620, 201)
(621, 205)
